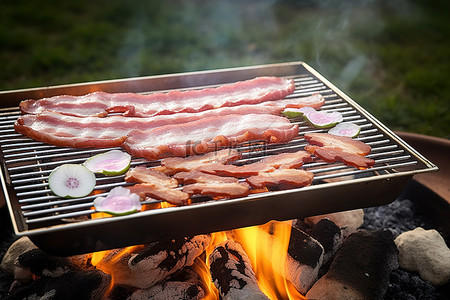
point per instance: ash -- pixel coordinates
(414, 208)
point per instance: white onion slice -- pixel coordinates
(71, 180)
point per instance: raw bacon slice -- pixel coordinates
(220, 189)
(281, 179)
(100, 104)
(333, 154)
(332, 148)
(160, 192)
(173, 165)
(68, 131)
(200, 177)
(147, 175)
(268, 164)
(208, 134)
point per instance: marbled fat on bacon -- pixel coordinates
(100, 104)
(208, 134)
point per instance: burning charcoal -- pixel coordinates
(425, 252)
(40, 264)
(360, 269)
(349, 221)
(185, 285)
(329, 235)
(232, 273)
(20, 246)
(74, 285)
(305, 257)
(155, 262)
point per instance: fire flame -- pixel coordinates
(266, 247)
(268, 253)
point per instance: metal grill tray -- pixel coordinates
(64, 227)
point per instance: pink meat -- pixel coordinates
(62, 130)
(69, 131)
(208, 134)
(100, 104)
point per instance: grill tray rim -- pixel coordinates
(42, 235)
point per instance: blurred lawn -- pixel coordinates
(393, 57)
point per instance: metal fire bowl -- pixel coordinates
(336, 187)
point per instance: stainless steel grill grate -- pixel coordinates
(38, 213)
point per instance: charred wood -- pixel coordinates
(360, 269)
(232, 273)
(154, 262)
(74, 285)
(186, 285)
(40, 264)
(304, 259)
(329, 235)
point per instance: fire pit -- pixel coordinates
(65, 227)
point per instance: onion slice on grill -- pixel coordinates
(345, 129)
(120, 201)
(113, 162)
(71, 181)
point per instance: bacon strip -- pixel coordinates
(207, 134)
(219, 189)
(315, 101)
(147, 175)
(100, 104)
(160, 192)
(268, 164)
(281, 179)
(344, 143)
(333, 154)
(332, 148)
(68, 131)
(173, 165)
(200, 177)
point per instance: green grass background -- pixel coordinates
(392, 57)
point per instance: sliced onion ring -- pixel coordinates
(345, 129)
(120, 201)
(114, 162)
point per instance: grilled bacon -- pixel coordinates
(173, 165)
(160, 192)
(344, 143)
(281, 179)
(200, 177)
(147, 175)
(100, 104)
(332, 148)
(268, 164)
(218, 189)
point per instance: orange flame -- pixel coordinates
(268, 253)
(266, 247)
